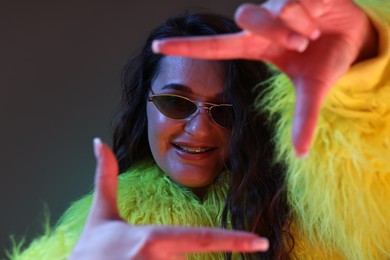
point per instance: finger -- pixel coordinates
(259, 21)
(315, 7)
(187, 239)
(227, 46)
(104, 204)
(309, 97)
(296, 17)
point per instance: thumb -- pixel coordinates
(104, 205)
(309, 97)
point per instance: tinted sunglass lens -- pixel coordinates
(174, 107)
(223, 115)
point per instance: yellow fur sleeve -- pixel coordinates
(340, 194)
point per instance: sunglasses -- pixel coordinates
(179, 107)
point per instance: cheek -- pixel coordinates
(155, 125)
(160, 132)
(226, 136)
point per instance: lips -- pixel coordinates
(193, 149)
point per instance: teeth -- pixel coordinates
(191, 149)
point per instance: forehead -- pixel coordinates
(201, 77)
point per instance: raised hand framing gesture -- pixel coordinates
(107, 236)
(313, 41)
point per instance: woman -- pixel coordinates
(339, 194)
(184, 128)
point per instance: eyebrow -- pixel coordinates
(177, 86)
(185, 88)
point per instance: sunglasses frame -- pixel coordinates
(205, 105)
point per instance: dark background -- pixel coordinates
(60, 64)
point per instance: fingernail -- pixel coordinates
(261, 244)
(156, 46)
(97, 144)
(315, 35)
(298, 42)
(302, 155)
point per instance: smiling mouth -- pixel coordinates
(194, 149)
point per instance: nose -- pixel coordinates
(199, 124)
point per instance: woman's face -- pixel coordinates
(192, 151)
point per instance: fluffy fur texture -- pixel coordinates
(340, 194)
(145, 196)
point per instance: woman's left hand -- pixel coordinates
(313, 41)
(107, 236)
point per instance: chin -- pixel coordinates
(193, 182)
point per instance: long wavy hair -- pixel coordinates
(256, 199)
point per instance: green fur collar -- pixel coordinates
(145, 196)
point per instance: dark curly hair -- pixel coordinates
(256, 199)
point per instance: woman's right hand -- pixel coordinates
(314, 42)
(107, 236)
